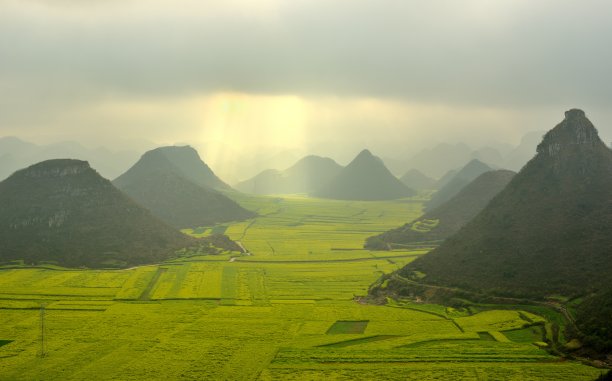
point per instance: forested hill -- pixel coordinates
(62, 211)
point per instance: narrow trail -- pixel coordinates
(246, 229)
(244, 250)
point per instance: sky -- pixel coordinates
(320, 76)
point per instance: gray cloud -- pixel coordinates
(545, 52)
(510, 54)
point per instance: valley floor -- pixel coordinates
(284, 311)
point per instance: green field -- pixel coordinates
(286, 311)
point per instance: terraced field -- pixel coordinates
(284, 311)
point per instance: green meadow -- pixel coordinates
(287, 309)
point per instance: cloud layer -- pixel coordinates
(63, 62)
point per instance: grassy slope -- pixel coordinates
(214, 317)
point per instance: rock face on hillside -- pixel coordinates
(365, 178)
(458, 181)
(171, 182)
(445, 220)
(62, 211)
(305, 176)
(548, 232)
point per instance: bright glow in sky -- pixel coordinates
(254, 120)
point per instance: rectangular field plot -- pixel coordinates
(347, 326)
(323, 281)
(496, 320)
(61, 283)
(435, 351)
(526, 335)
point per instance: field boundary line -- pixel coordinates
(327, 260)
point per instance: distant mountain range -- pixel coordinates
(436, 161)
(365, 178)
(305, 176)
(179, 188)
(446, 219)
(16, 154)
(62, 211)
(235, 166)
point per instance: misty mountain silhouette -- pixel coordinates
(177, 186)
(308, 174)
(458, 181)
(365, 178)
(183, 160)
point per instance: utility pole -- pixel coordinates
(42, 331)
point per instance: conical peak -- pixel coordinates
(174, 158)
(475, 163)
(365, 152)
(182, 160)
(364, 156)
(473, 168)
(366, 159)
(575, 130)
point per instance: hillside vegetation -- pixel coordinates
(63, 212)
(445, 220)
(177, 187)
(546, 234)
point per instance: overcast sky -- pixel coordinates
(301, 73)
